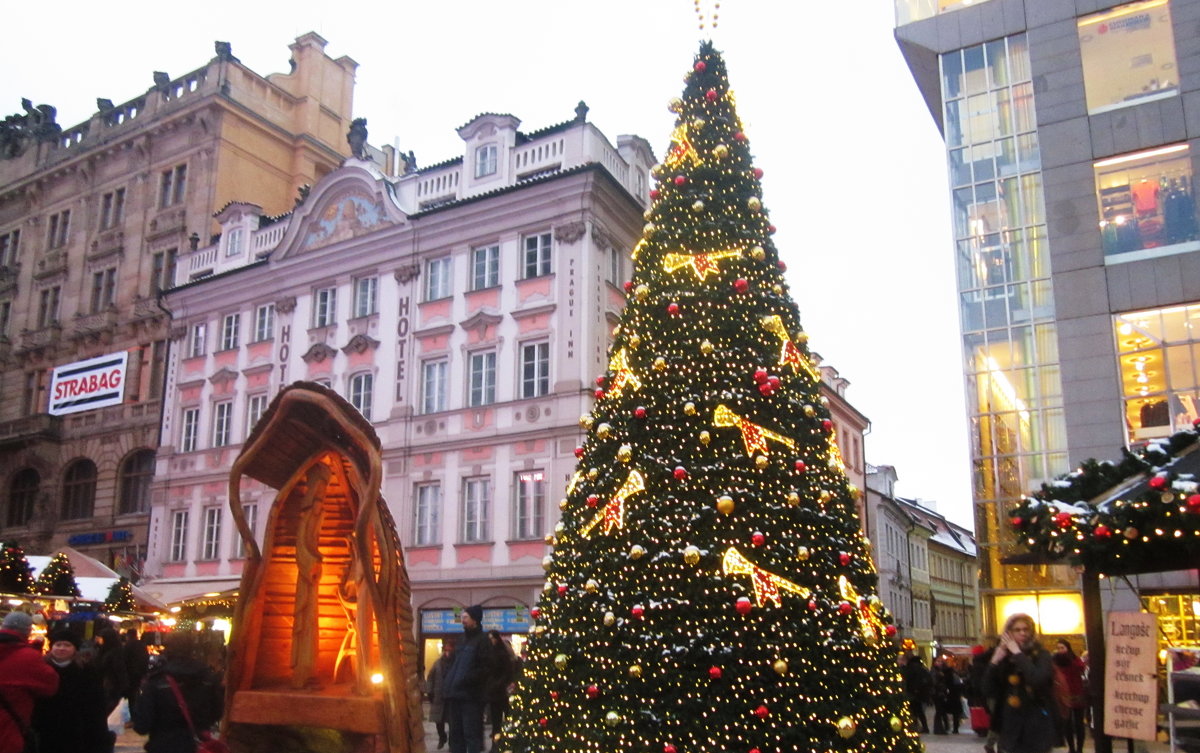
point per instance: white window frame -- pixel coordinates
(324, 307)
(197, 341)
(485, 267)
(179, 531)
(256, 406)
(477, 502)
(534, 378)
(210, 547)
(264, 322)
(231, 330)
(486, 160)
(222, 433)
(435, 383)
(536, 252)
(529, 503)
(112, 209)
(366, 296)
(189, 431)
(481, 378)
(438, 278)
(250, 512)
(233, 244)
(362, 393)
(10, 246)
(427, 501)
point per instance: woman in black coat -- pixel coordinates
(156, 712)
(1020, 681)
(75, 719)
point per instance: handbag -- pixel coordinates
(205, 742)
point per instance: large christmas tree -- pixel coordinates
(710, 589)
(58, 578)
(15, 573)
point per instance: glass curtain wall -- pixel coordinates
(1007, 309)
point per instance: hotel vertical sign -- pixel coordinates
(86, 385)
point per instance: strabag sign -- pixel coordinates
(86, 385)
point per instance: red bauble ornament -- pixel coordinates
(812, 605)
(673, 309)
(782, 266)
(760, 375)
(844, 558)
(741, 285)
(599, 393)
(1102, 531)
(826, 424)
(668, 748)
(758, 539)
(739, 136)
(714, 673)
(801, 466)
(754, 750)
(680, 473)
(1193, 503)
(600, 380)
(699, 67)
(1016, 522)
(628, 286)
(592, 691)
(762, 712)
(554, 695)
(535, 613)
(774, 381)
(639, 412)
(771, 229)
(890, 630)
(562, 589)
(578, 452)
(766, 389)
(654, 194)
(743, 606)
(593, 500)
(637, 611)
(711, 95)
(1063, 520)
(544, 722)
(845, 607)
(1158, 482)
(680, 180)
(758, 173)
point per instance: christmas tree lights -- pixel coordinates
(120, 597)
(58, 578)
(710, 588)
(15, 573)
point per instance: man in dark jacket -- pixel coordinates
(156, 712)
(466, 681)
(24, 677)
(918, 687)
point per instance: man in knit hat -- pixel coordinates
(465, 682)
(24, 677)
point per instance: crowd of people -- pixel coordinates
(72, 696)
(1019, 696)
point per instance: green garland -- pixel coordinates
(1153, 523)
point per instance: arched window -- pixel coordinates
(136, 474)
(79, 490)
(22, 494)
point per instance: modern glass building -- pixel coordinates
(1069, 129)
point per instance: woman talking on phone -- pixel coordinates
(1020, 681)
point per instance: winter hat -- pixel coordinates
(17, 622)
(476, 612)
(64, 634)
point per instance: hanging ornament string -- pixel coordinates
(708, 20)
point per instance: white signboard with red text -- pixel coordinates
(85, 385)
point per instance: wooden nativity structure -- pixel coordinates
(322, 640)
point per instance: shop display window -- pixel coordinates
(1146, 203)
(1128, 55)
(1158, 353)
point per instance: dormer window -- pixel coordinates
(233, 246)
(485, 160)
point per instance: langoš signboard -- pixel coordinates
(85, 385)
(1131, 675)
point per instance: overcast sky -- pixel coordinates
(855, 173)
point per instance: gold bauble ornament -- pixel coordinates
(697, 206)
(547, 562)
(636, 552)
(634, 341)
(801, 338)
(648, 214)
(562, 503)
(895, 724)
(720, 151)
(699, 123)
(612, 718)
(609, 619)
(854, 492)
(761, 461)
(593, 474)
(706, 347)
(793, 499)
(846, 727)
(754, 203)
(641, 291)
(649, 228)
(635, 671)
(689, 408)
(824, 400)
(725, 504)
(547, 586)
(675, 105)
(560, 661)
(802, 554)
(586, 421)
(780, 667)
(604, 430)
(825, 496)
(591, 586)
(777, 289)
(809, 411)
(758, 254)
(549, 539)
(660, 364)
(616, 330)
(624, 453)
(559, 528)
(705, 438)
(691, 555)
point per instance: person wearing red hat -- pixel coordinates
(24, 678)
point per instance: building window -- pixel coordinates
(537, 255)
(485, 160)
(365, 289)
(324, 307)
(535, 369)
(172, 186)
(189, 429)
(135, 476)
(59, 229)
(104, 289)
(425, 514)
(222, 423)
(908, 11)
(162, 273)
(485, 267)
(10, 244)
(210, 547)
(362, 388)
(1128, 55)
(614, 266)
(530, 499)
(250, 512)
(5, 317)
(179, 526)
(437, 279)
(112, 209)
(48, 301)
(256, 406)
(197, 342)
(22, 496)
(482, 379)
(477, 499)
(264, 322)
(1146, 203)
(231, 327)
(434, 385)
(233, 242)
(79, 490)
(1158, 354)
